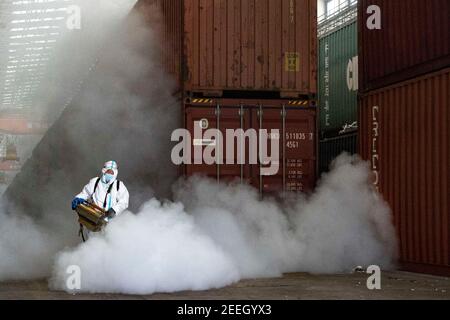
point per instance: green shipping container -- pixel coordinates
(330, 149)
(338, 79)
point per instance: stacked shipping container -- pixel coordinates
(247, 65)
(405, 133)
(413, 39)
(338, 79)
(338, 85)
(264, 45)
(404, 122)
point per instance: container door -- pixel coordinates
(297, 150)
(226, 163)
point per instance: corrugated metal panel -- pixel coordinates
(263, 45)
(330, 149)
(297, 129)
(338, 79)
(414, 39)
(404, 131)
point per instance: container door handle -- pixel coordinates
(243, 153)
(283, 131)
(260, 115)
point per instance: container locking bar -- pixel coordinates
(218, 144)
(241, 115)
(283, 131)
(260, 115)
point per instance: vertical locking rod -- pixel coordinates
(283, 115)
(218, 143)
(260, 114)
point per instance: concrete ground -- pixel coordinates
(395, 285)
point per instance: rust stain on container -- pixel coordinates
(404, 132)
(296, 166)
(413, 40)
(263, 45)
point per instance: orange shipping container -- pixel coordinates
(263, 45)
(404, 132)
(237, 46)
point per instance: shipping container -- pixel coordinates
(293, 130)
(338, 79)
(402, 39)
(404, 132)
(330, 149)
(233, 47)
(248, 50)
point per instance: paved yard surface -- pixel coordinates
(395, 285)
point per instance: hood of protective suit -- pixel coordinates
(107, 176)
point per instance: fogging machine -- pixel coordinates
(91, 216)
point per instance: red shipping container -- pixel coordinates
(413, 40)
(264, 45)
(296, 141)
(246, 49)
(234, 45)
(404, 132)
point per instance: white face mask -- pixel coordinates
(107, 178)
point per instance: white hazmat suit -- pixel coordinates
(106, 192)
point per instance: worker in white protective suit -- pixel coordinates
(106, 192)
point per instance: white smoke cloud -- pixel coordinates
(31, 235)
(217, 234)
(161, 249)
(76, 51)
(211, 235)
(345, 223)
(26, 249)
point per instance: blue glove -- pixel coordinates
(76, 202)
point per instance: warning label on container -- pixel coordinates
(292, 62)
(295, 175)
